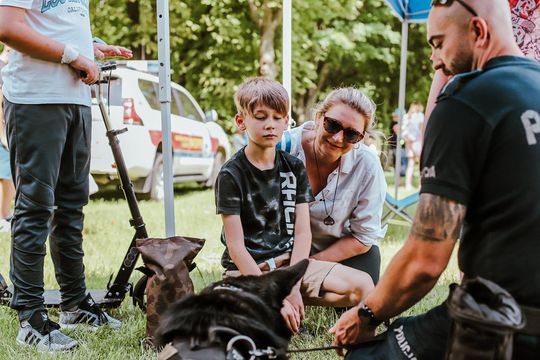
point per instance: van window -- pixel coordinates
(150, 92)
(188, 108)
(176, 106)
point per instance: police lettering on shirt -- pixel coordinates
(531, 123)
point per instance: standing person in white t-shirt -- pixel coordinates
(48, 120)
(412, 134)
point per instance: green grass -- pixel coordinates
(107, 235)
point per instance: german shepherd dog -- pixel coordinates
(231, 318)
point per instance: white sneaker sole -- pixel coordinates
(72, 345)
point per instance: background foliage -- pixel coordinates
(215, 44)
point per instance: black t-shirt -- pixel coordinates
(265, 201)
(482, 149)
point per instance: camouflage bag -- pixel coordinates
(485, 318)
(169, 262)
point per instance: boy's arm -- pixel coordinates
(301, 248)
(234, 237)
(302, 234)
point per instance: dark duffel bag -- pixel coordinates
(168, 262)
(485, 318)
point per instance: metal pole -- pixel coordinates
(287, 49)
(401, 100)
(164, 55)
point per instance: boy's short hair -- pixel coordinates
(261, 91)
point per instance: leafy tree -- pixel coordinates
(215, 44)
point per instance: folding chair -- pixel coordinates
(397, 208)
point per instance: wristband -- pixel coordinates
(69, 55)
(366, 313)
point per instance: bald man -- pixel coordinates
(480, 182)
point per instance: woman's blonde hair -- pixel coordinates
(352, 97)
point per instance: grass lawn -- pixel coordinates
(107, 235)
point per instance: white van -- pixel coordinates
(200, 146)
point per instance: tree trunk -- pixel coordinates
(306, 104)
(134, 14)
(267, 20)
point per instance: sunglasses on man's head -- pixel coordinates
(333, 126)
(449, 2)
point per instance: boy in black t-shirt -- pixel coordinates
(263, 196)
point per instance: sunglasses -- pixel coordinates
(332, 126)
(449, 3)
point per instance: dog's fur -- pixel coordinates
(250, 305)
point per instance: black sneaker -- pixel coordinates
(87, 313)
(44, 334)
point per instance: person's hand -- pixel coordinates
(87, 68)
(295, 298)
(291, 316)
(350, 330)
(102, 51)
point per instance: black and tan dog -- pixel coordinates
(240, 313)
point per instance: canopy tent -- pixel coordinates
(408, 11)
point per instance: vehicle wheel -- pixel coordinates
(139, 293)
(157, 186)
(219, 160)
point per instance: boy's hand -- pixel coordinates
(291, 316)
(295, 298)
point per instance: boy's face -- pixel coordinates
(265, 127)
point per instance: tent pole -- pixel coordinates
(164, 55)
(287, 49)
(401, 100)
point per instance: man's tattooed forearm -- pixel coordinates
(438, 218)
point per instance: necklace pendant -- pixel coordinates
(329, 221)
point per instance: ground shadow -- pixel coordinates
(113, 192)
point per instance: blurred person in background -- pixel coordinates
(412, 134)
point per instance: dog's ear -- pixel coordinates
(281, 281)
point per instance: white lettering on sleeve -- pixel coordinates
(531, 123)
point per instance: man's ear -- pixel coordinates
(282, 281)
(480, 29)
(240, 121)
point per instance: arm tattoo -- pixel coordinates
(438, 218)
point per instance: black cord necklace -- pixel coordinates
(328, 220)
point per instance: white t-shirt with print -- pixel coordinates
(32, 81)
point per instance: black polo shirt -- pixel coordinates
(265, 200)
(482, 149)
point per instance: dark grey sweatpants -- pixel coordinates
(50, 162)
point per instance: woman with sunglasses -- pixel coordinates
(346, 178)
